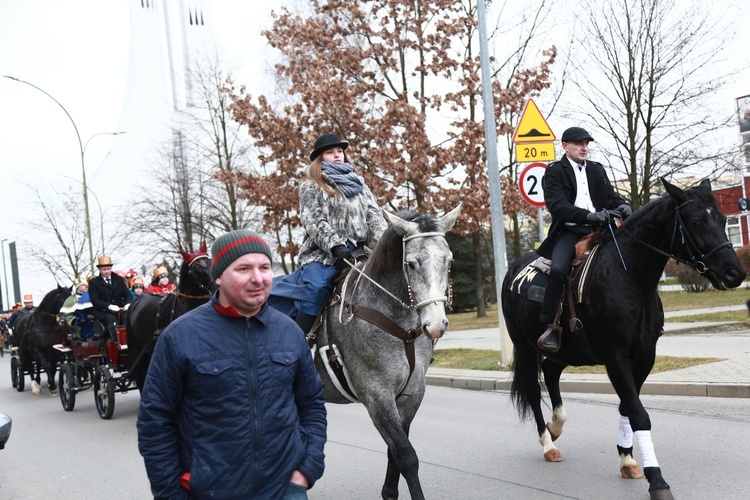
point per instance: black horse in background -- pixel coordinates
(35, 334)
(150, 314)
(621, 316)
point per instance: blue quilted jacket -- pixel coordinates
(236, 402)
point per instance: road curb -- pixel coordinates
(502, 382)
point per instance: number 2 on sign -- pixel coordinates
(533, 181)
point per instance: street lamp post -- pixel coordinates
(5, 274)
(81, 149)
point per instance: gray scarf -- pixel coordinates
(342, 174)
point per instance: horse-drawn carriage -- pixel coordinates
(96, 362)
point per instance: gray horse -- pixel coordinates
(388, 313)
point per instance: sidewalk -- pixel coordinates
(727, 378)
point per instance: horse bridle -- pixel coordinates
(696, 262)
(413, 304)
(192, 273)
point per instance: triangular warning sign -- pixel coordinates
(532, 127)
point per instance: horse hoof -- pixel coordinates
(53, 393)
(553, 455)
(631, 472)
(36, 389)
(660, 494)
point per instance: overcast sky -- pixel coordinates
(78, 52)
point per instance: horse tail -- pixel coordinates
(525, 391)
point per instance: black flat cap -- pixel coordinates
(574, 134)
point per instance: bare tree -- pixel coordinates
(644, 72)
(400, 80)
(191, 194)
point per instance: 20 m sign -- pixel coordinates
(538, 151)
(530, 183)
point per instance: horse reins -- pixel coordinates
(413, 305)
(380, 320)
(687, 241)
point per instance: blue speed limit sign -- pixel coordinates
(530, 183)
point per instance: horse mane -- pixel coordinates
(49, 302)
(653, 213)
(388, 252)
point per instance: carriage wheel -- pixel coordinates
(104, 392)
(13, 373)
(67, 387)
(18, 374)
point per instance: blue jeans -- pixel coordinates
(295, 492)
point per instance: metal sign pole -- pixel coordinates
(493, 172)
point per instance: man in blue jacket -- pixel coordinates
(232, 405)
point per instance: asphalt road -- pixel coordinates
(471, 446)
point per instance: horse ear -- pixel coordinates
(448, 220)
(706, 183)
(185, 255)
(203, 248)
(674, 191)
(404, 227)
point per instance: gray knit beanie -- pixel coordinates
(232, 245)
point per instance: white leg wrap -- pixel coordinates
(546, 441)
(558, 420)
(648, 457)
(625, 436)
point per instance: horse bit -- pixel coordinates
(413, 304)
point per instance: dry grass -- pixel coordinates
(483, 359)
(673, 301)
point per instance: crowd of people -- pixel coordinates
(246, 418)
(100, 297)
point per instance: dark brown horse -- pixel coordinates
(35, 334)
(150, 314)
(621, 315)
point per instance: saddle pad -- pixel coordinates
(582, 280)
(530, 283)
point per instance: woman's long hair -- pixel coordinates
(315, 173)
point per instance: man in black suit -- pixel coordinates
(109, 295)
(578, 194)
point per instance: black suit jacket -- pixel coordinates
(102, 295)
(560, 189)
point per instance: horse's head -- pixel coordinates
(699, 236)
(426, 261)
(195, 274)
(54, 299)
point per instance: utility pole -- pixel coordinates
(493, 173)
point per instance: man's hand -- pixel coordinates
(625, 211)
(599, 217)
(113, 308)
(300, 479)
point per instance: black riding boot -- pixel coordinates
(305, 321)
(112, 329)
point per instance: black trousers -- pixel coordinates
(562, 256)
(109, 320)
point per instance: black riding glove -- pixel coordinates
(599, 217)
(342, 253)
(625, 210)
